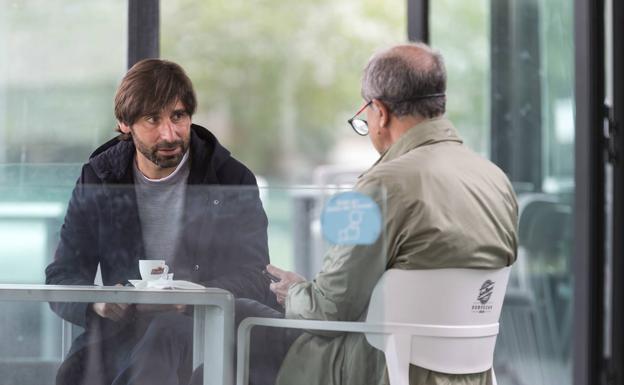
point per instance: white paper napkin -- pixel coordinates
(165, 284)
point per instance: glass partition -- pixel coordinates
(277, 90)
(511, 75)
(60, 61)
(224, 235)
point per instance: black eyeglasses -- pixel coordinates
(360, 126)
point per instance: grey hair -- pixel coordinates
(402, 75)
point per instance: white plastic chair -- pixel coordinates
(445, 320)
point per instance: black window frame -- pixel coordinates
(143, 30)
(615, 368)
(590, 163)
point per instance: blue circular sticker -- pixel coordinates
(351, 218)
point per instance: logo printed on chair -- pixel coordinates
(485, 293)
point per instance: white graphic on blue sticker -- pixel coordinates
(351, 218)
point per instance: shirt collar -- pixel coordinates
(427, 132)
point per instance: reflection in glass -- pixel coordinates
(520, 73)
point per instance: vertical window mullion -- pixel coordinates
(418, 20)
(589, 227)
(616, 370)
(143, 30)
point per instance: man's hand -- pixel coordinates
(287, 279)
(112, 311)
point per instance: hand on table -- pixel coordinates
(113, 311)
(287, 279)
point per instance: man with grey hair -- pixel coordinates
(446, 207)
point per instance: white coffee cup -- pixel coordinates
(152, 269)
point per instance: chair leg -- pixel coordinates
(398, 352)
(493, 377)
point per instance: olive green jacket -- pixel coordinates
(443, 206)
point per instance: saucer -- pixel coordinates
(164, 284)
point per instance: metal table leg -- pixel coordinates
(213, 343)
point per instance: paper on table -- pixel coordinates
(165, 284)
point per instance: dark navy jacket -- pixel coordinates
(224, 233)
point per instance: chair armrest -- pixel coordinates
(364, 327)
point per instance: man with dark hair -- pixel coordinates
(445, 207)
(151, 194)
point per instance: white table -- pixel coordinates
(213, 332)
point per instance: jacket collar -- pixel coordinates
(427, 132)
(112, 162)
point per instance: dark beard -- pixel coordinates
(163, 161)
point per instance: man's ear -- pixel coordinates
(124, 127)
(384, 113)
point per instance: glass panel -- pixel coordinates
(221, 242)
(277, 81)
(60, 61)
(513, 61)
(465, 48)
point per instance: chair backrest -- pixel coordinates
(461, 308)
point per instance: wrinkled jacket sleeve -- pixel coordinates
(245, 244)
(342, 289)
(75, 262)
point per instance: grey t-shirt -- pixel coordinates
(161, 205)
